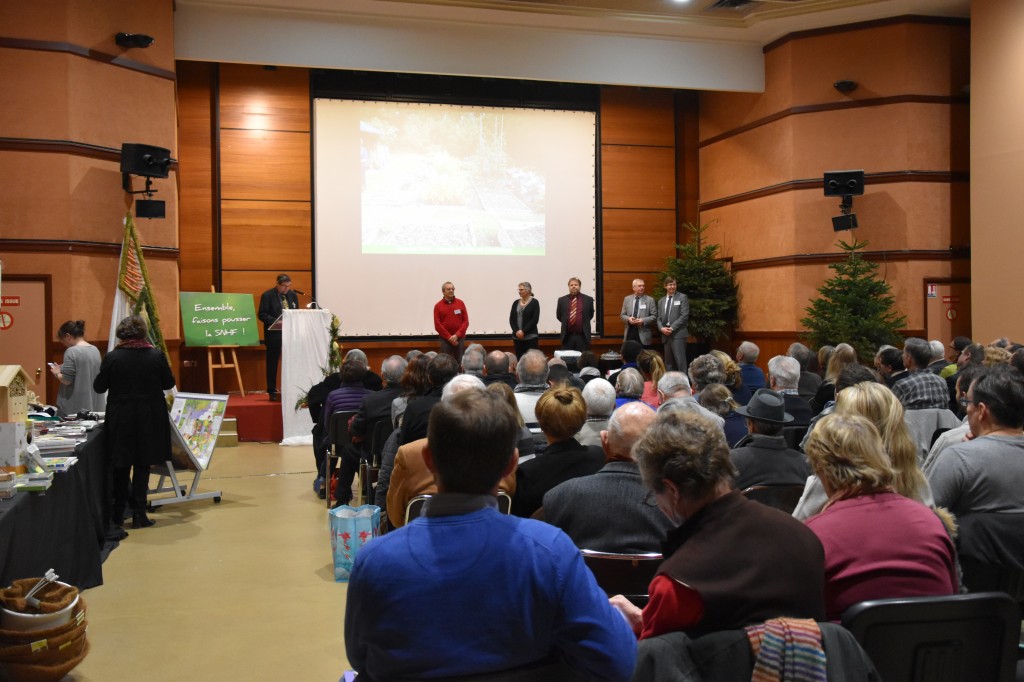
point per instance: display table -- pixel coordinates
(63, 528)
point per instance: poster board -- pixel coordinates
(196, 418)
(210, 319)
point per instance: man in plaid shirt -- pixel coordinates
(921, 389)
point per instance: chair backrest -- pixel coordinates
(504, 502)
(414, 509)
(959, 638)
(627, 574)
(338, 428)
(378, 436)
(784, 497)
(991, 553)
(794, 435)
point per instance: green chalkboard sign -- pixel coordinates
(218, 319)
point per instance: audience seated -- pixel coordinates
(850, 375)
(496, 369)
(955, 348)
(972, 354)
(807, 384)
(730, 562)
(921, 389)
(558, 373)
(878, 544)
(652, 368)
(525, 444)
(346, 397)
(718, 400)
(784, 376)
(746, 356)
(843, 356)
(371, 380)
(986, 474)
(532, 370)
(589, 366)
(630, 354)
(473, 363)
(877, 404)
(417, 413)
(465, 590)
(560, 412)
(704, 371)
(675, 387)
(629, 386)
(377, 405)
(957, 434)
(824, 355)
(889, 363)
(411, 476)
(938, 363)
(762, 458)
(414, 382)
(599, 397)
(605, 511)
(733, 378)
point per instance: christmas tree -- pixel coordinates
(707, 282)
(855, 307)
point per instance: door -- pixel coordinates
(23, 337)
(947, 311)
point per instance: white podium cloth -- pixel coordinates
(304, 347)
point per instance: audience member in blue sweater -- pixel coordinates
(466, 590)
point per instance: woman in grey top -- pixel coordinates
(523, 319)
(81, 365)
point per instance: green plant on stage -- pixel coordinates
(333, 360)
(708, 283)
(855, 306)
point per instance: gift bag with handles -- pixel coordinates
(351, 528)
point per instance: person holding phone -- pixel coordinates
(78, 371)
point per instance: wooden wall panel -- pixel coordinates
(637, 116)
(638, 177)
(255, 98)
(285, 227)
(633, 239)
(264, 165)
(195, 163)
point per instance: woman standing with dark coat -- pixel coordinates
(523, 319)
(137, 427)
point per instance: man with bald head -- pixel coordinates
(606, 511)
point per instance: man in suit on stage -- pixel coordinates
(272, 302)
(673, 313)
(575, 311)
(639, 314)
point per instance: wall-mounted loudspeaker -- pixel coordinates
(150, 208)
(844, 183)
(145, 159)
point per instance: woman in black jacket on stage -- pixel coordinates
(137, 428)
(523, 319)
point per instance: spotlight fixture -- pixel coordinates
(133, 40)
(845, 86)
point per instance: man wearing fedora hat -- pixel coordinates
(762, 458)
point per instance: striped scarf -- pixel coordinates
(787, 649)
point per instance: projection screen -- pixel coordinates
(410, 195)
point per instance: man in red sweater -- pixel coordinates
(451, 321)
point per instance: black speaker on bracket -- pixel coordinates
(150, 208)
(145, 160)
(844, 183)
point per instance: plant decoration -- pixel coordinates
(855, 306)
(333, 360)
(708, 283)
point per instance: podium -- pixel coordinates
(305, 344)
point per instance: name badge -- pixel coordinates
(458, 311)
(643, 306)
(676, 302)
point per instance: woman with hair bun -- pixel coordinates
(561, 414)
(137, 429)
(77, 372)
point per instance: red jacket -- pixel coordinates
(451, 318)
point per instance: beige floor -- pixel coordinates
(242, 590)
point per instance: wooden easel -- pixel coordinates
(221, 361)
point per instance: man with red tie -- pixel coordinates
(575, 311)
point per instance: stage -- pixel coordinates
(258, 418)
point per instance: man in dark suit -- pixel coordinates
(272, 303)
(606, 511)
(673, 314)
(377, 406)
(639, 314)
(575, 311)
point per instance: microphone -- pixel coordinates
(300, 293)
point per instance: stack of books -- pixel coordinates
(6, 485)
(33, 482)
(59, 463)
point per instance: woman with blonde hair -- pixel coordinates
(879, 405)
(718, 399)
(652, 367)
(878, 543)
(842, 357)
(733, 378)
(560, 412)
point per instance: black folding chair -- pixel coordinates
(339, 438)
(627, 574)
(783, 497)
